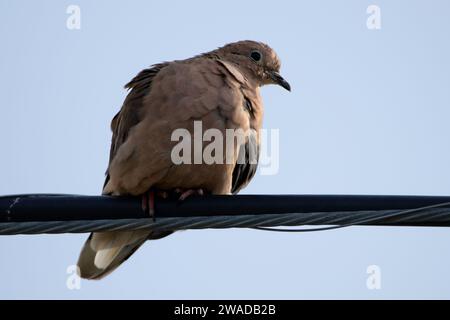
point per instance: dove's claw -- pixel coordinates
(163, 194)
(187, 193)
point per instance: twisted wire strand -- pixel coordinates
(387, 215)
(260, 222)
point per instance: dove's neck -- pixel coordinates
(252, 81)
(240, 63)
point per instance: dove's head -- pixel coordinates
(256, 59)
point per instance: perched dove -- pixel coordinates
(219, 88)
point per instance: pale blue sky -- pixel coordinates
(369, 114)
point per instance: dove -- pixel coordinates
(221, 89)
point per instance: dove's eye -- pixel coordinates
(256, 55)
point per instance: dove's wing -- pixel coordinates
(245, 170)
(129, 114)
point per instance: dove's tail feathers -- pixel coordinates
(103, 252)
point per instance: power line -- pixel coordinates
(36, 214)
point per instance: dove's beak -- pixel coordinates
(279, 80)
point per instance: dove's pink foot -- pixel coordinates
(148, 203)
(187, 193)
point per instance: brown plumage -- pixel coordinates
(219, 88)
